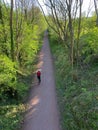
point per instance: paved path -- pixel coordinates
(42, 111)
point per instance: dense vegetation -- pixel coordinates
(74, 43)
(77, 87)
(21, 31)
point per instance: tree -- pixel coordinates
(11, 31)
(96, 10)
(64, 14)
(79, 28)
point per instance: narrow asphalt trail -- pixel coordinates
(42, 113)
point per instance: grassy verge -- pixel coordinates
(77, 97)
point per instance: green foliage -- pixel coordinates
(4, 40)
(7, 74)
(10, 116)
(88, 23)
(7, 68)
(9, 84)
(89, 44)
(29, 46)
(15, 77)
(77, 88)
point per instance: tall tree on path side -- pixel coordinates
(96, 10)
(11, 31)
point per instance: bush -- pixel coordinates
(89, 45)
(7, 75)
(77, 90)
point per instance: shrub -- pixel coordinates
(7, 75)
(89, 43)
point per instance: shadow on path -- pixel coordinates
(42, 113)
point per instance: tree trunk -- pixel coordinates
(71, 34)
(2, 22)
(96, 10)
(79, 30)
(11, 31)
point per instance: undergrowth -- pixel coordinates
(15, 84)
(13, 107)
(77, 96)
(12, 101)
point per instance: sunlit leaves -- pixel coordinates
(10, 114)
(89, 43)
(7, 71)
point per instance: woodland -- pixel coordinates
(73, 36)
(21, 30)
